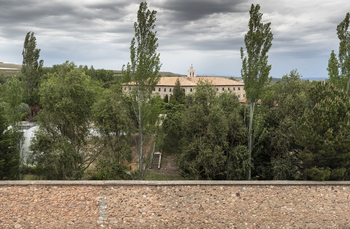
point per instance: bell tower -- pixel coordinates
(191, 73)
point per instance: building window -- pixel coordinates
(154, 89)
(239, 96)
(228, 88)
(217, 89)
(158, 89)
(125, 88)
(184, 90)
(170, 90)
(239, 88)
(129, 88)
(234, 88)
(243, 95)
(165, 89)
(223, 89)
(190, 89)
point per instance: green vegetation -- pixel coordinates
(59, 145)
(209, 136)
(323, 134)
(8, 156)
(178, 96)
(255, 70)
(156, 176)
(143, 72)
(114, 125)
(32, 69)
(341, 79)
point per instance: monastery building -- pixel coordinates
(166, 85)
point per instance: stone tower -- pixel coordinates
(191, 72)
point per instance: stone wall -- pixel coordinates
(174, 204)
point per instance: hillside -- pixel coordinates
(9, 69)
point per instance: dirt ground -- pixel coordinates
(168, 165)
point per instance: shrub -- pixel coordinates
(23, 108)
(23, 117)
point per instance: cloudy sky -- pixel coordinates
(205, 33)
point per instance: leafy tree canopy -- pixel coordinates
(59, 147)
(324, 134)
(8, 155)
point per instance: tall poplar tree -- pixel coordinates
(255, 69)
(344, 48)
(333, 71)
(143, 70)
(341, 79)
(31, 69)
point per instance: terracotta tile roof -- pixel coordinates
(184, 81)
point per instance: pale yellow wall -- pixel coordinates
(168, 90)
(240, 93)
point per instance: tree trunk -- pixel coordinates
(250, 137)
(140, 134)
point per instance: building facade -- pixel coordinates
(166, 85)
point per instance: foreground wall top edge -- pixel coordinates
(171, 183)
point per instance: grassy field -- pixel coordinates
(157, 176)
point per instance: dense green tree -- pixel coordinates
(166, 99)
(31, 69)
(14, 97)
(172, 130)
(143, 70)
(106, 77)
(113, 123)
(255, 69)
(178, 96)
(275, 151)
(209, 135)
(324, 134)
(60, 146)
(8, 154)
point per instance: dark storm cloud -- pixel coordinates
(184, 10)
(57, 15)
